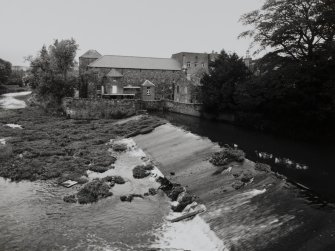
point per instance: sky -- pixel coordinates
(152, 28)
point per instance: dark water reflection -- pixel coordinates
(309, 164)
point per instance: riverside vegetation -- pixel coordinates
(54, 147)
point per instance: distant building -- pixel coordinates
(121, 76)
(20, 68)
(177, 78)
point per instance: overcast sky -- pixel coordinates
(155, 28)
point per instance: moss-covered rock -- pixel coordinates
(175, 192)
(184, 200)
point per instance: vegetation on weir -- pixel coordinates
(52, 147)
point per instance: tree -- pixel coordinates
(52, 70)
(218, 86)
(5, 71)
(62, 55)
(299, 29)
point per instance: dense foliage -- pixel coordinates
(293, 91)
(218, 86)
(52, 74)
(5, 71)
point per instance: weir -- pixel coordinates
(260, 216)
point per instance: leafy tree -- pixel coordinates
(62, 55)
(218, 86)
(5, 71)
(52, 72)
(298, 29)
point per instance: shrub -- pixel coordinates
(6, 151)
(246, 176)
(99, 169)
(114, 179)
(237, 184)
(262, 167)
(227, 156)
(93, 191)
(140, 172)
(119, 147)
(70, 199)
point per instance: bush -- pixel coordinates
(237, 185)
(114, 179)
(119, 147)
(262, 167)
(246, 176)
(93, 191)
(140, 172)
(227, 156)
(70, 199)
(99, 169)
(6, 151)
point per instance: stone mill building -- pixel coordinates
(146, 78)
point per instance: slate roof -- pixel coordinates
(147, 83)
(91, 54)
(114, 74)
(129, 62)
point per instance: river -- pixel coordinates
(306, 163)
(283, 216)
(33, 215)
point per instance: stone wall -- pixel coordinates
(104, 108)
(98, 108)
(183, 108)
(155, 105)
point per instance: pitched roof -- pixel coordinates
(147, 83)
(91, 54)
(114, 74)
(128, 62)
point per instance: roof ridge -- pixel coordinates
(136, 56)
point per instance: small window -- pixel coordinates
(195, 64)
(148, 91)
(178, 89)
(188, 64)
(114, 89)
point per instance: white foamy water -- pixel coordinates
(3, 141)
(8, 100)
(123, 167)
(14, 126)
(194, 235)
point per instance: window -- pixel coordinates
(188, 64)
(148, 91)
(195, 64)
(114, 89)
(185, 89)
(178, 89)
(203, 65)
